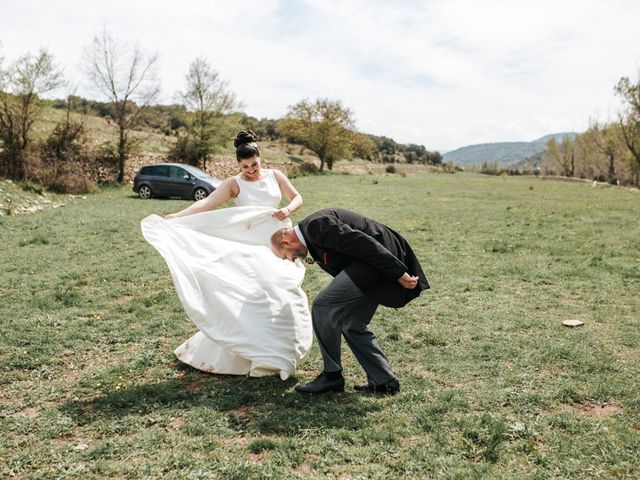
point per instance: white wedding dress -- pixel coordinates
(250, 308)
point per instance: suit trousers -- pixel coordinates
(343, 309)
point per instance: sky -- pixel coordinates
(439, 73)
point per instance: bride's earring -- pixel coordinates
(308, 260)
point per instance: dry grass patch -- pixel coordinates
(592, 409)
(30, 412)
(124, 299)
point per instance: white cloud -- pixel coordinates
(441, 73)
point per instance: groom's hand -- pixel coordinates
(407, 281)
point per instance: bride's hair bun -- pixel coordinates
(244, 137)
(246, 146)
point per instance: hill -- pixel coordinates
(507, 153)
(158, 129)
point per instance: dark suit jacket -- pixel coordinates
(372, 254)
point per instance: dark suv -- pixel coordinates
(173, 180)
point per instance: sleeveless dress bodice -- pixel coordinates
(264, 192)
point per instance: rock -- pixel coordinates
(573, 323)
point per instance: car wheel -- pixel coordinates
(144, 192)
(199, 194)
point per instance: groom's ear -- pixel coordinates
(284, 239)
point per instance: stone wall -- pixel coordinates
(219, 166)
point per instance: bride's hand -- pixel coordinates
(282, 213)
(169, 216)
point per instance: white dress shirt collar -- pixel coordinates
(299, 235)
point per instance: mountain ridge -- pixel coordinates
(506, 153)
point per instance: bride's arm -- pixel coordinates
(290, 192)
(224, 192)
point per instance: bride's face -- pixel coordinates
(250, 168)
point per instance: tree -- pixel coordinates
(265, 128)
(434, 158)
(325, 127)
(207, 100)
(629, 120)
(127, 77)
(607, 140)
(21, 86)
(364, 147)
(563, 155)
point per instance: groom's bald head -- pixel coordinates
(285, 244)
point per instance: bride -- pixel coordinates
(250, 308)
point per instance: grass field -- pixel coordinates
(493, 385)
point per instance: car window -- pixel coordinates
(177, 172)
(157, 170)
(196, 172)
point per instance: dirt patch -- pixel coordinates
(177, 422)
(541, 446)
(30, 413)
(62, 442)
(408, 442)
(244, 412)
(597, 410)
(258, 457)
(194, 385)
(303, 469)
(592, 409)
(417, 369)
(240, 441)
(454, 385)
(124, 299)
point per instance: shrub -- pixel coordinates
(262, 444)
(390, 169)
(302, 169)
(62, 162)
(450, 167)
(189, 150)
(62, 177)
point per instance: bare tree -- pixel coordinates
(325, 127)
(207, 99)
(127, 77)
(629, 120)
(21, 86)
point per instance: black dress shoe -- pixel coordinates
(388, 388)
(362, 387)
(321, 384)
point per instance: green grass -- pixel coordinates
(493, 386)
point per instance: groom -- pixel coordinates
(372, 265)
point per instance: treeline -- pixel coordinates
(171, 120)
(203, 121)
(605, 152)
